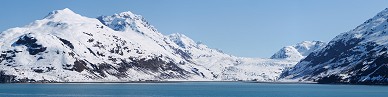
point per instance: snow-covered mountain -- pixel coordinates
(228, 67)
(298, 51)
(358, 56)
(67, 47)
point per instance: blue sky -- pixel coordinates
(248, 28)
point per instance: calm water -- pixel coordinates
(191, 89)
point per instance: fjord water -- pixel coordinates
(190, 89)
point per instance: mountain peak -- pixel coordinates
(61, 14)
(288, 52)
(128, 14)
(66, 10)
(128, 21)
(298, 51)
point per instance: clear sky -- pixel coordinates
(247, 28)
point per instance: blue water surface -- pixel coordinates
(190, 89)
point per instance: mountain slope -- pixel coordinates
(358, 56)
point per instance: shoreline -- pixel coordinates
(160, 82)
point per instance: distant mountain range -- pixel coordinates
(67, 47)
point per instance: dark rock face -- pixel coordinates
(8, 57)
(332, 79)
(183, 54)
(79, 65)
(334, 50)
(372, 70)
(158, 65)
(366, 66)
(6, 78)
(66, 42)
(119, 70)
(30, 42)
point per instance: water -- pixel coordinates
(190, 89)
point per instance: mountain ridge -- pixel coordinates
(67, 47)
